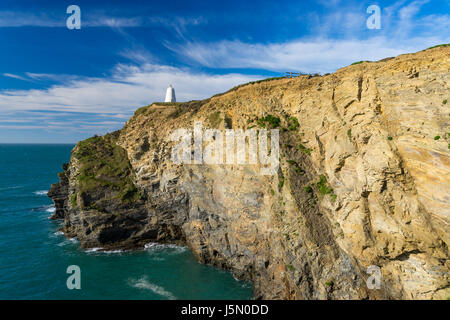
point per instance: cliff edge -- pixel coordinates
(364, 180)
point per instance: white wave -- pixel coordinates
(144, 284)
(51, 209)
(58, 233)
(67, 241)
(154, 246)
(41, 192)
(100, 250)
(113, 251)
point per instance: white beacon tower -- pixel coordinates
(170, 94)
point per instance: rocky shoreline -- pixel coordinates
(351, 191)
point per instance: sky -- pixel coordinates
(61, 85)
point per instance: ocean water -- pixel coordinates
(34, 256)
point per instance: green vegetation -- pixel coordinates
(304, 149)
(281, 181)
(73, 200)
(439, 45)
(349, 134)
(330, 282)
(298, 169)
(293, 124)
(183, 107)
(95, 207)
(290, 267)
(322, 186)
(104, 164)
(333, 197)
(269, 122)
(176, 113)
(140, 110)
(390, 138)
(215, 119)
(308, 189)
(168, 103)
(444, 101)
(437, 137)
(358, 62)
(246, 84)
(129, 193)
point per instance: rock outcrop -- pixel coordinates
(364, 180)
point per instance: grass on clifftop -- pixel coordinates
(181, 107)
(439, 45)
(246, 84)
(105, 164)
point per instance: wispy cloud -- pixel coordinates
(114, 22)
(318, 55)
(25, 19)
(127, 88)
(15, 76)
(95, 19)
(107, 103)
(179, 24)
(30, 19)
(337, 38)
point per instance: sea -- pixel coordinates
(35, 256)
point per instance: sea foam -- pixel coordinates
(153, 246)
(51, 209)
(41, 192)
(143, 283)
(100, 250)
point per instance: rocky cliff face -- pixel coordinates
(363, 180)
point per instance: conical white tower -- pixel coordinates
(170, 94)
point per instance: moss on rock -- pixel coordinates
(104, 165)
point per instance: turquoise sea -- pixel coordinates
(34, 256)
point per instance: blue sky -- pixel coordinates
(60, 86)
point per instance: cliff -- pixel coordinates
(363, 180)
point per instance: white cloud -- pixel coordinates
(22, 19)
(29, 19)
(128, 88)
(337, 39)
(318, 55)
(113, 22)
(15, 76)
(87, 106)
(94, 19)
